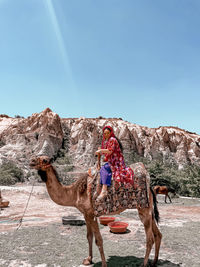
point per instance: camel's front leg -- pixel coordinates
(98, 240)
(88, 260)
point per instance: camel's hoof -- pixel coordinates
(146, 265)
(154, 263)
(87, 261)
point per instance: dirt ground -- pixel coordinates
(42, 240)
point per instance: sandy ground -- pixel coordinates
(42, 240)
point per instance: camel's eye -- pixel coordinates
(44, 161)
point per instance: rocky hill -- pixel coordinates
(73, 141)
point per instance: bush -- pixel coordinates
(10, 174)
(68, 168)
(18, 117)
(2, 143)
(186, 182)
(63, 158)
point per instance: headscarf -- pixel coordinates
(111, 134)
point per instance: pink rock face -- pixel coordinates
(46, 133)
(171, 143)
(21, 138)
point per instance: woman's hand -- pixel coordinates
(103, 151)
(98, 152)
(98, 167)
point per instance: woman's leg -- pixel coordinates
(105, 174)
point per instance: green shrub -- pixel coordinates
(63, 158)
(68, 168)
(10, 174)
(2, 143)
(18, 117)
(186, 181)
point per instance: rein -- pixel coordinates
(41, 165)
(21, 220)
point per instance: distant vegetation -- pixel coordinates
(2, 143)
(186, 181)
(64, 159)
(10, 174)
(18, 117)
(4, 116)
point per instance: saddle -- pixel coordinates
(120, 197)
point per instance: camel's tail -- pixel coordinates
(156, 212)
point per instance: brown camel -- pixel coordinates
(76, 195)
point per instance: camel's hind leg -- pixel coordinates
(157, 238)
(88, 260)
(146, 218)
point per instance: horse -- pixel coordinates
(164, 190)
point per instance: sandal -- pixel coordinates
(97, 192)
(103, 194)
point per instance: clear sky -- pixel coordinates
(132, 59)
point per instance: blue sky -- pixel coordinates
(131, 59)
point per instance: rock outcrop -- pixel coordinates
(21, 138)
(47, 133)
(168, 143)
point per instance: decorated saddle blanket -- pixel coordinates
(119, 197)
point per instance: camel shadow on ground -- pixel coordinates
(131, 261)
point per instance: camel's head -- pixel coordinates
(40, 163)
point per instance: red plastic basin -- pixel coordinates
(118, 227)
(106, 220)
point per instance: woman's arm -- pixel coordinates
(103, 151)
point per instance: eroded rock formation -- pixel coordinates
(20, 138)
(46, 133)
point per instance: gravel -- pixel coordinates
(41, 242)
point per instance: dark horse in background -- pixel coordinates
(164, 190)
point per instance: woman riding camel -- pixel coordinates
(114, 165)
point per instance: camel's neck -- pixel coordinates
(60, 194)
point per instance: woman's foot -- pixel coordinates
(97, 192)
(103, 194)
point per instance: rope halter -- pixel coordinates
(43, 165)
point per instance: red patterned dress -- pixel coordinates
(120, 173)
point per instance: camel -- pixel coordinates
(76, 195)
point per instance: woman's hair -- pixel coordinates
(119, 142)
